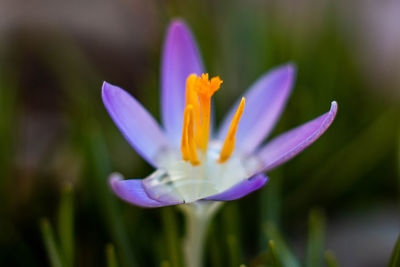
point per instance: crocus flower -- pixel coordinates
(194, 162)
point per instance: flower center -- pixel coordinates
(206, 169)
(180, 181)
(196, 120)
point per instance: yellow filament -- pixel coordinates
(188, 144)
(229, 143)
(205, 89)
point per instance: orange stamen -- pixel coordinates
(229, 143)
(196, 118)
(188, 143)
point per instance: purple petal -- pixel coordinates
(134, 122)
(160, 187)
(132, 191)
(241, 189)
(291, 143)
(180, 59)
(265, 101)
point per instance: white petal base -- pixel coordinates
(178, 180)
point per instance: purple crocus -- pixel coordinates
(193, 162)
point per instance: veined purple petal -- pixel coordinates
(180, 59)
(132, 191)
(291, 143)
(265, 101)
(134, 122)
(241, 189)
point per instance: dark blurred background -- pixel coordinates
(58, 145)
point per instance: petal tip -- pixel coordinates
(334, 106)
(291, 143)
(132, 191)
(260, 179)
(285, 73)
(106, 89)
(105, 83)
(291, 68)
(113, 180)
(105, 86)
(332, 111)
(286, 70)
(176, 25)
(177, 22)
(291, 74)
(107, 94)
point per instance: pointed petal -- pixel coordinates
(291, 143)
(180, 59)
(134, 122)
(265, 101)
(132, 191)
(241, 189)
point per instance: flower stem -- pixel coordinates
(198, 216)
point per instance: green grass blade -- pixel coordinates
(79, 79)
(270, 204)
(330, 259)
(272, 255)
(268, 257)
(234, 250)
(50, 244)
(282, 249)
(395, 258)
(66, 225)
(171, 236)
(99, 164)
(111, 258)
(231, 220)
(214, 248)
(165, 264)
(316, 238)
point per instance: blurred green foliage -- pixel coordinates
(395, 258)
(353, 168)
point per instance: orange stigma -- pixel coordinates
(205, 89)
(188, 144)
